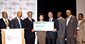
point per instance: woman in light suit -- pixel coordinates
(81, 35)
(41, 34)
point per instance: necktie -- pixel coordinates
(49, 20)
(6, 23)
(20, 23)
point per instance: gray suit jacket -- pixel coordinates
(71, 29)
(62, 27)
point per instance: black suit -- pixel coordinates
(2, 26)
(51, 36)
(29, 35)
(15, 23)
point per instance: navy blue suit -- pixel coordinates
(51, 36)
(15, 23)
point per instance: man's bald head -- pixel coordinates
(68, 12)
(50, 14)
(19, 14)
(5, 15)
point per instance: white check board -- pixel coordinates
(43, 26)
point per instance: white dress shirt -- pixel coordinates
(79, 21)
(59, 18)
(30, 19)
(19, 22)
(50, 20)
(68, 19)
(5, 20)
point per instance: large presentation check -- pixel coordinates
(43, 26)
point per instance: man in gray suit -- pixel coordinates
(17, 21)
(62, 27)
(71, 28)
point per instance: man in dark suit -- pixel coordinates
(4, 23)
(17, 21)
(29, 32)
(52, 35)
(62, 27)
(71, 28)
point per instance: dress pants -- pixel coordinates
(60, 41)
(51, 40)
(0, 38)
(71, 40)
(41, 37)
(30, 41)
(29, 38)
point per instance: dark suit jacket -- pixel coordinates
(15, 23)
(2, 24)
(52, 34)
(71, 29)
(28, 25)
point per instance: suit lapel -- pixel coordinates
(70, 20)
(82, 22)
(3, 22)
(53, 20)
(60, 20)
(30, 21)
(21, 21)
(17, 21)
(8, 20)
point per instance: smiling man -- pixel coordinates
(71, 28)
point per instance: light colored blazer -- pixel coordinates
(81, 36)
(62, 27)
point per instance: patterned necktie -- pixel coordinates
(6, 23)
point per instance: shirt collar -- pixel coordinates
(51, 18)
(29, 18)
(59, 18)
(70, 16)
(80, 20)
(5, 19)
(18, 18)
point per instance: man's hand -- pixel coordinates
(74, 36)
(32, 30)
(62, 36)
(54, 30)
(33, 22)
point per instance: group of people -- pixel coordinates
(63, 28)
